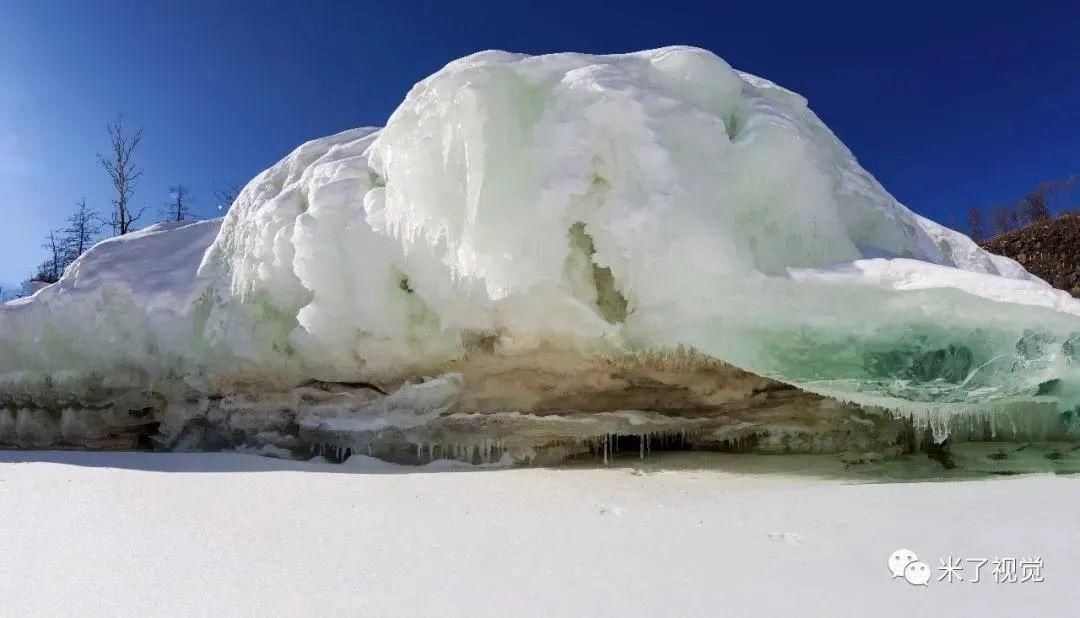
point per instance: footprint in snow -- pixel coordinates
(788, 537)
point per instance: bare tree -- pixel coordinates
(227, 195)
(1034, 206)
(81, 232)
(1059, 194)
(52, 268)
(120, 165)
(975, 224)
(1003, 219)
(178, 208)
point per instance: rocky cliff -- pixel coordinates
(1049, 250)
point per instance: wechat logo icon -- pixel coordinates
(904, 563)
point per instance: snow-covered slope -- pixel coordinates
(593, 205)
(124, 307)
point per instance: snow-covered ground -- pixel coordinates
(135, 534)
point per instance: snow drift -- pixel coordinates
(597, 206)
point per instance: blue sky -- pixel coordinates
(947, 105)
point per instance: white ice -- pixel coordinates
(608, 204)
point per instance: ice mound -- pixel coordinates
(606, 205)
(619, 204)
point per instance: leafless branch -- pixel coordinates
(122, 171)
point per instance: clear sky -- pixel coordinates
(947, 105)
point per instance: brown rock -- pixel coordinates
(1049, 250)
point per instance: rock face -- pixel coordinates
(537, 408)
(1049, 250)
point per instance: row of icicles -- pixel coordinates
(491, 450)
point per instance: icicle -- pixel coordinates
(641, 447)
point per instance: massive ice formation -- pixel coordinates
(554, 207)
